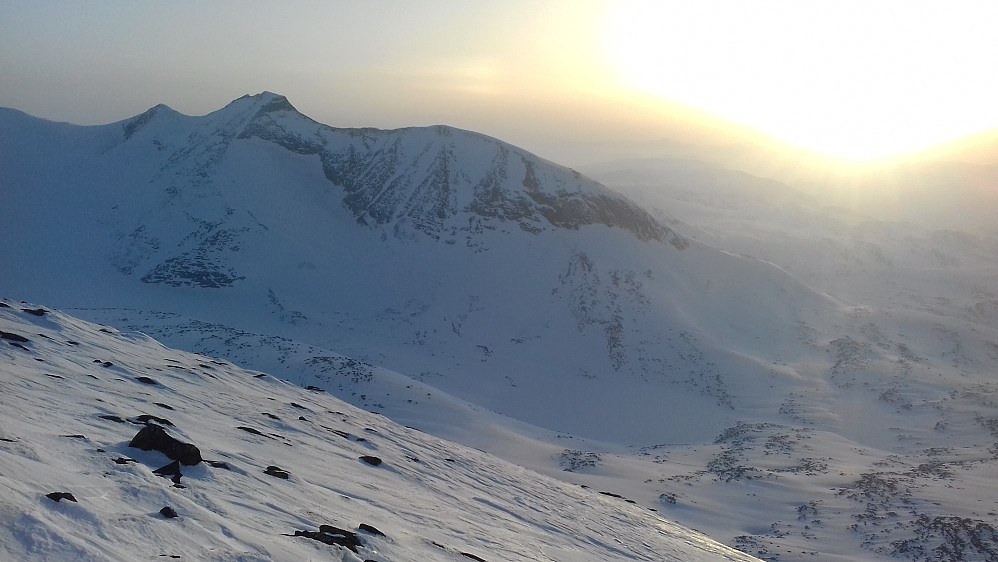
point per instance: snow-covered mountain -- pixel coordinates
(277, 472)
(443, 254)
(794, 380)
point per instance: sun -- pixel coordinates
(858, 80)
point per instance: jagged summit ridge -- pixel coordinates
(434, 180)
(375, 169)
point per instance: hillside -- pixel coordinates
(280, 463)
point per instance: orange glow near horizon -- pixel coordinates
(856, 80)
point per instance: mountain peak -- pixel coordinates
(266, 101)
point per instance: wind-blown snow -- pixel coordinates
(795, 380)
(434, 500)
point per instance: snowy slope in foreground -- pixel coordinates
(61, 390)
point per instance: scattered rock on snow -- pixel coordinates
(56, 496)
(171, 470)
(250, 430)
(277, 472)
(329, 534)
(144, 419)
(373, 461)
(154, 437)
(370, 529)
(13, 337)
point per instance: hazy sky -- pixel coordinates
(853, 78)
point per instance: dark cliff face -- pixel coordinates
(436, 180)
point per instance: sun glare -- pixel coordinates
(852, 79)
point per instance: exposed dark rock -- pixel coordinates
(250, 430)
(123, 460)
(162, 405)
(19, 346)
(473, 557)
(108, 364)
(171, 470)
(71, 342)
(154, 437)
(373, 461)
(218, 464)
(331, 535)
(144, 380)
(4, 305)
(13, 337)
(76, 436)
(277, 472)
(146, 418)
(271, 416)
(168, 512)
(36, 312)
(297, 405)
(56, 496)
(302, 418)
(53, 376)
(111, 417)
(260, 376)
(370, 529)
(194, 269)
(315, 388)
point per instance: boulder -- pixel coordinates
(370, 529)
(56, 496)
(277, 472)
(329, 534)
(154, 437)
(171, 470)
(373, 461)
(13, 337)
